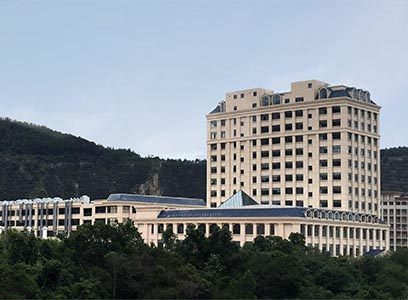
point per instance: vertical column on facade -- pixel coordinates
(312, 237)
(328, 239)
(242, 234)
(268, 229)
(207, 229)
(341, 228)
(387, 240)
(320, 240)
(374, 238)
(381, 239)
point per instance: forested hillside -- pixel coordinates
(38, 162)
(394, 169)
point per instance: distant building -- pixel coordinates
(394, 211)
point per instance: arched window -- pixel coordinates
(213, 227)
(276, 99)
(316, 214)
(336, 216)
(367, 96)
(249, 229)
(330, 215)
(225, 226)
(180, 228)
(236, 229)
(265, 101)
(361, 95)
(201, 227)
(160, 228)
(355, 94)
(260, 229)
(323, 93)
(170, 227)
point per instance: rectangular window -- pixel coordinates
(299, 138)
(336, 109)
(276, 166)
(299, 113)
(336, 135)
(336, 122)
(323, 176)
(275, 116)
(323, 150)
(275, 128)
(336, 162)
(323, 111)
(336, 149)
(275, 153)
(288, 114)
(323, 163)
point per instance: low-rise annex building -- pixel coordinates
(394, 211)
(336, 232)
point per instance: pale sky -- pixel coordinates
(143, 74)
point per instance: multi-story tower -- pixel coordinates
(314, 146)
(394, 211)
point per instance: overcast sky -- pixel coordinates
(143, 74)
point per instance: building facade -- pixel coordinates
(314, 146)
(336, 232)
(394, 211)
(304, 161)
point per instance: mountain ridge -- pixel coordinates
(37, 162)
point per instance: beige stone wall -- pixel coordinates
(235, 139)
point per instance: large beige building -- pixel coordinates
(333, 231)
(315, 146)
(304, 161)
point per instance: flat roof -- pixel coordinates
(156, 199)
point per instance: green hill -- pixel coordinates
(394, 169)
(38, 162)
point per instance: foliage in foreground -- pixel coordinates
(104, 261)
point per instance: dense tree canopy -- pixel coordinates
(112, 262)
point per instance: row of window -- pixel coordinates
(74, 211)
(300, 138)
(337, 232)
(298, 113)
